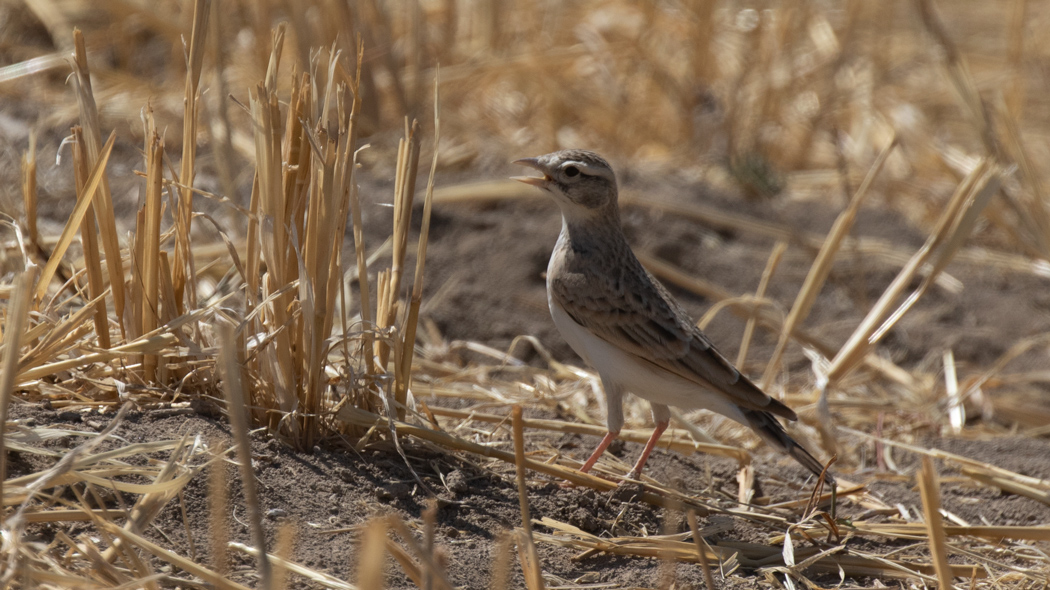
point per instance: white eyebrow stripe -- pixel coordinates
(590, 170)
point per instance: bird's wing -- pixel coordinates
(635, 313)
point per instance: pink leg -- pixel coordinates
(609, 437)
(660, 428)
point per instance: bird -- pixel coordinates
(628, 327)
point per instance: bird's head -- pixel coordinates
(582, 182)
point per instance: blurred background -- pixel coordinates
(776, 95)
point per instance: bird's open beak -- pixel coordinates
(538, 181)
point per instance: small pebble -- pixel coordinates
(96, 425)
(276, 513)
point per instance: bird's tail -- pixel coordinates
(769, 428)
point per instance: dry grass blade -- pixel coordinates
(14, 525)
(89, 242)
(760, 294)
(818, 272)
(282, 559)
(668, 441)
(531, 560)
(171, 557)
(29, 189)
(107, 223)
(191, 107)
(651, 495)
(500, 576)
(1039, 492)
(146, 345)
(371, 557)
(278, 367)
(230, 366)
(929, 489)
(17, 317)
(750, 555)
(319, 578)
(73, 223)
(701, 551)
(147, 238)
(432, 571)
(388, 306)
(404, 368)
(953, 228)
(991, 533)
(1035, 488)
(217, 516)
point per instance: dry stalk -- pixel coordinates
(16, 319)
(183, 266)
(653, 495)
(89, 243)
(360, 251)
(29, 189)
(230, 368)
(434, 572)
(276, 363)
(98, 174)
(284, 548)
(96, 153)
(530, 558)
(673, 442)
(371, 555)
(318, 579)
(146, 292)
(404, 367)
(390, 293)
(701, 551)
(218, 501)
(818, 272)
(929, 489)
(760, 294)
(166, 485)
(499, 576)
(171, 557)
(953, 228)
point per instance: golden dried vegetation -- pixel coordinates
(833, 105)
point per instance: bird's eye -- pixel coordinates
(572, 171)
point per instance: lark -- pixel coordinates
(626, 325)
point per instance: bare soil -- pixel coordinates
(327, 492)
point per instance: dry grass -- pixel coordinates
(793, 100)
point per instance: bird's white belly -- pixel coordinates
(639, 377)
